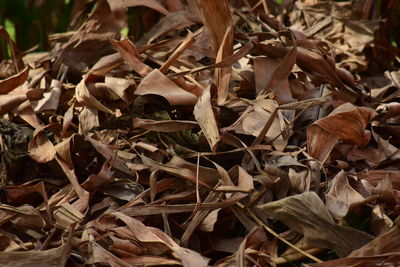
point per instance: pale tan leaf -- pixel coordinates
(83, 96)
(163, 126)
(40, 148)
(204, 114)
(158, 84)
(207, 224)
(51, 99)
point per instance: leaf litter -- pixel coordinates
(231, 133)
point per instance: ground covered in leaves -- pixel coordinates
(222, 133)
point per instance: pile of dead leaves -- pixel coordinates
(232, 133)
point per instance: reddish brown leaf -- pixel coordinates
(9, 84)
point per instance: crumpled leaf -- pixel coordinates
(40, 148)
(341, 196)
(158, 84)
(173, 21)
(154, 235)
(383, 250)
(217, 18)
(346, 122)
(207, 224)
(54, 257)
(376, 176)
(84, 97)
(204, 114)
(163, 134)
(207, 176)
(51, 99)
(253, 120)
(306, 214)
(9, 84)
(11, 101)
(104, 22)
(128, 53)
(278, 80)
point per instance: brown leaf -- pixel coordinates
(255, 117)
(9, 84)
(18, 193)
(40, 148)
(277, 82)
(375, 176)
(153, 4)
(154, 235)
(88, 119)
(341, 196)
(207, 176)
(188, 41)
(54, 257)
(104, 22)
(204, 114)
(255, 241)
(107, 63)
(383, 250)
(183, 208)
(390, 260)
(218, 20)
(50, 100)
(207, 224)
(263, 67)
(158, 84)
(173, 21)
(22, 216)
(388, 242)
(128, 52)
(102, 256)
(84, 97)
(306, 213)
(243, 178)
(11, 101)
(123, 88)
(109, 154)
(163, 126)
(15, 54)
(347, 122)
(150, 261)
(223, 75)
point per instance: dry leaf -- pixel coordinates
(158, 84)
(9, 84)
(306, 213)
(341, 196)
(40, 148)
(346, 122)
(207, 176)
(54, 257)
(204, 114)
